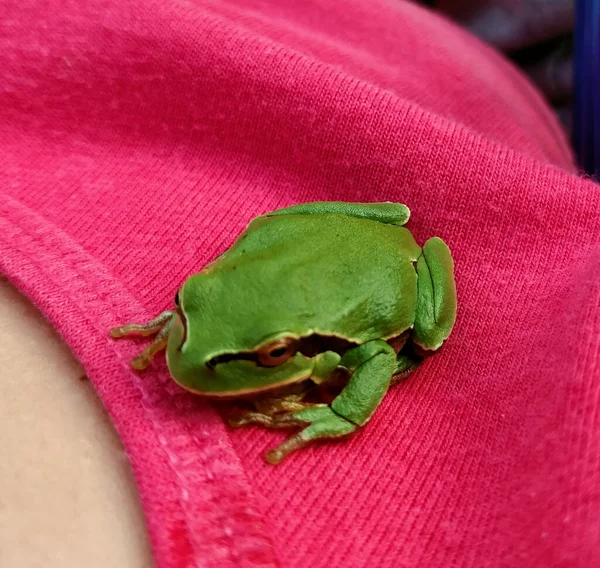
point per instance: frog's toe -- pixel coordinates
(276, 455)
(275, 421)
(249, 418)
(292, 403)
(144, 329)
(322, 422)
(160, 325)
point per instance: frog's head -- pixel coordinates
(228, 348)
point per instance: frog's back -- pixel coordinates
(329, 272)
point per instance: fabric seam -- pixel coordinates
(149, 411)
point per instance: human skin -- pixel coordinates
(67, 496)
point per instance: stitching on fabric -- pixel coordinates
(160, 433)
(159, 430)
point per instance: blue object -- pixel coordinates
(586, 124)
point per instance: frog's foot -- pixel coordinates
(321, 423)
(160, 325)
(318, 421)
(289, 403)
(274, 412)
(271, 421)
(372, 364)
(436, 296)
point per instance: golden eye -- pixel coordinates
(277, 352)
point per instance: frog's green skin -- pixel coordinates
(303, 292)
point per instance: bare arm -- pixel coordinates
(67, 493)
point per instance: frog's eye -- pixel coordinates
(278, 352)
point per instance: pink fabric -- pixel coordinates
(138, 138)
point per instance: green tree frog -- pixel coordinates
(314, 295)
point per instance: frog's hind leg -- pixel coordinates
(160, 325)
(386, 212)
(406, 363)
(407, 360)
(436, 296)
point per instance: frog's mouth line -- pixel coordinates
(310, 346)
(178, 313)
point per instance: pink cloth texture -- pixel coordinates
(137, 140)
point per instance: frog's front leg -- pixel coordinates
(267, 408)
(160, 325)
(372, 364)
(436, 296)
(276, 412)
(269, 419)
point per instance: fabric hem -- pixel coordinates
(205, 494)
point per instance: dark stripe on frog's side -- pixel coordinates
(310, 346)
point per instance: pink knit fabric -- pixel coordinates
(138, 138)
